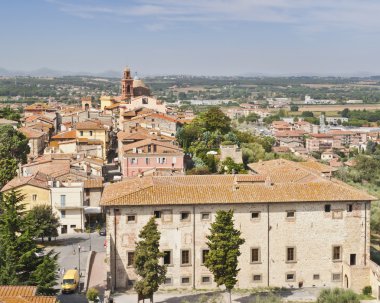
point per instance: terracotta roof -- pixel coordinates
(89, 125)
(150, 141)
(38, 106)
(281, 149)
(212, 189)
(28, 299)
(37, 180)
(165, 117)
(98, 183)
(31, 133)
(10, 291)
(71, 134)
(291, 133)
(298, 172)
(321, 135)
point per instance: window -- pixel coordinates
(144, 100)
(133, 161)
(185, 216)
(205, 216)
(316, 277)
(290, 214)
(327, 208)
(157, 214)
(204, 255)
(257, 278)
(167, 257)
(255, 215)
(63, 200)
(185, 257)
(149, 148)
(161, 160)
(81, 133)
(336, 277)
(90, 133)
(349, 208)
(290, 277)
(337, 253)
(168, 281)
(130, 258)
(352, 259)
(131, 218)
(63, 214)
(255, 255)
(185, 280)
(174, 160)
(73, 226)
(146, 160)
(290, 254)
(34, 197)
(154, 148)
(206, 279)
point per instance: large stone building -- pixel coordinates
(300, 228)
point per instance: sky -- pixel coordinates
(192, 37)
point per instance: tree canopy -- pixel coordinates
(146, 261)
(224, 242)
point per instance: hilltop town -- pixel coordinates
(299, 175)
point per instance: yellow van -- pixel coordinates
(70, 281)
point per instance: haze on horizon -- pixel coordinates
(214, 37)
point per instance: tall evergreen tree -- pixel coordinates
(147, 255)
(224, 243)
(19, 262)
(45, 276)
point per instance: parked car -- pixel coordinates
(70, 281)
(102, 231)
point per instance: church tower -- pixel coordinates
(127, 84)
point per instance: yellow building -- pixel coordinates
(107, 101)
(34, 188)
(90, 134)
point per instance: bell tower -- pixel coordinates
(127, 84)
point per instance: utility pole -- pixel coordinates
(79, 267)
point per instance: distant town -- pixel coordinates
(274, 180)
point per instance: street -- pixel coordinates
(68, 248)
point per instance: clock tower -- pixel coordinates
(127, 84)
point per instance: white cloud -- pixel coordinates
(321, 15)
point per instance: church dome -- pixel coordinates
(138, 83)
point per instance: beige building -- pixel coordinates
(300, 229)
(91, 134)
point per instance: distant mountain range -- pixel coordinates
(47, 72)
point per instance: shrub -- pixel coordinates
(337, 295)
(367, 290)
(92, 294)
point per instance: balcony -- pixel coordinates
(60, 206)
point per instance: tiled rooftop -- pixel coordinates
(284, 182)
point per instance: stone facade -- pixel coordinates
(311, 229)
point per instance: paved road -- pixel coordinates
(67, 247)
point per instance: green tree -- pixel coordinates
(252, 117)
(337, 295)
(13, 144)
(230, 166)
(307, 114)
(45, 276)
(45, 222)
(252, 152)
(214, 119)
(294, 108)
(147, 266)
(224, 243)
(19, 261)
(8, 170)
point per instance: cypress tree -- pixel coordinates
(147, 255)
(224, 243)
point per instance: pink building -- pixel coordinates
(151, 156)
